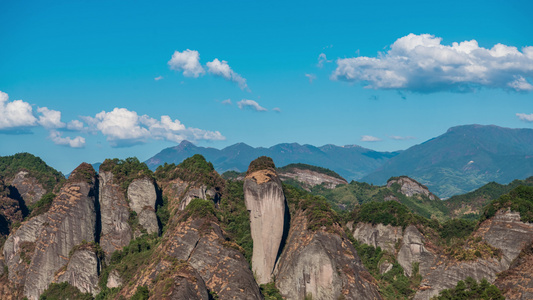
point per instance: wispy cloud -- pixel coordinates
(187, 61)
(158, 78)
(276, 109)
(311, 77)
(421, 63)
(222, 69)
(322, 59)
(369, 138)
(525, 117)
(227, 102)
(250, 104)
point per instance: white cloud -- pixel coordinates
(401, 138)
(158, 78)
(126, 128)
(276, 109)
(322, 59)
(421, 63)
(222, 69)
(227, 102)
(311, 77)
(50, 118)
(77, 142)
(525, 117)
(369, 138)
(15, 114)
(251, 104)
(75, 125)
(187, 61)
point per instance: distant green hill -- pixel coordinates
(46, 175)
(463, 159)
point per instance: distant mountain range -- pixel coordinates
(351, 162)
(461, 160)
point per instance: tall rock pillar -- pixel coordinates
(263, 194)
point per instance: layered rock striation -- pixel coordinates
(264, 198)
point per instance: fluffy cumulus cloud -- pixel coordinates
(77, 142)
(525, 117)
(250, 104)
(421, 63)
(369, 138)
(50, 118)
(15, 114)
(123, 128)
(222, 69)
(187, 61)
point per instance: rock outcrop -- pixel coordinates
(70, 220)
(384, 236)
(201, 192)
(517, 282)
(82, 271)
(309, 178)
(322, 265)
(264, 198)
(411, 187)
(413, 250)
(142, 197)
(114, 211)
(29, 188)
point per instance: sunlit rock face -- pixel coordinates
(142, 196)
(264, 198)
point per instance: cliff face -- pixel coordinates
(411, 187)
(82, 271)
(264, 198)
(29, 188)
(41, 246)
(517, 282)
(116, 232)
(322, 265)
(384, 236)
(142, 196)
(309, 178)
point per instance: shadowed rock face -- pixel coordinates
(411, 187)
(142, 196)
(517, 282)
(70, 220)
(82, 271)
(264, 198)
(116, 232)
(29, 188)
(201, 192)
(322, 265)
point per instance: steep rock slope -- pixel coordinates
(28, 187)
(70, 220)
(115, 230)
(310, 176)
(142, 197)
(322, 265)
(264, 198)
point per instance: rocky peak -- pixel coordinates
(411, 187)
(309, 176)
(264, 199)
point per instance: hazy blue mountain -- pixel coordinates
(463, 159)
(352, 162)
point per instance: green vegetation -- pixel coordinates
(318, 211)
(142, 293)
(36, 167)
(234, 217)
(231, 175)
(200, 208)
(520, 199)
(456, 228)
(261, 163)
(386, 213)
(162, 212)
(64, 291)
(125, 171)
(325, 171)
(83, 173)
(470, 289)
(41, 206)
(470, 205)
(270, 291)
(193, 169)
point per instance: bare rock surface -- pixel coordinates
(322, 265)
(379, 235)
(116, 232)
(114, 280)
(517, 282)
(29, 188)
(311, 178)
(411, 187)
(82, 271)
(413, 250)
(264, 198)
(142, 196)
(201, 192)
(70, 220)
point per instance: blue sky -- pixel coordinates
(381, 74)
